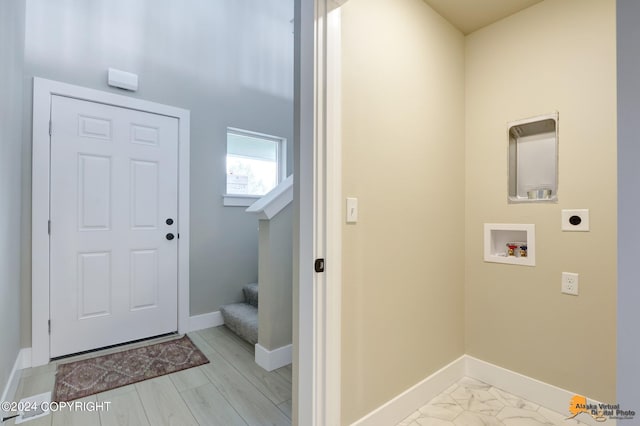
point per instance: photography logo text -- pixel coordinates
(599, 411)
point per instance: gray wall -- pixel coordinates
(628, 390)
(228, 61)
(11, 46)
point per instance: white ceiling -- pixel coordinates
(470, 15)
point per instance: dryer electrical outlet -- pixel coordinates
(575, 220)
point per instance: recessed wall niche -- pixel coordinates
(511, 243)
(533, 159)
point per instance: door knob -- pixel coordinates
(169, 221)
(169, 236)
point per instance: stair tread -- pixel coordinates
(242, 319)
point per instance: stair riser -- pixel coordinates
(251, 294)
(242, 319)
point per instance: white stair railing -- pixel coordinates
(274, 201)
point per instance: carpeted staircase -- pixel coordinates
(242, 318)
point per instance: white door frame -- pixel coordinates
(43, 90)
(318, 200)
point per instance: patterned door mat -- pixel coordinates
(102, 373)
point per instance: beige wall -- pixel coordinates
(275, 280)
(403, 154)
(556, 56)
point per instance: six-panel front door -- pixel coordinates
(114, 205)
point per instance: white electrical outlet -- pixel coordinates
(570, 283)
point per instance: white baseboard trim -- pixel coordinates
(541, 393)
(200, 322)
(394, 411)
(10, 388)
(272, 360)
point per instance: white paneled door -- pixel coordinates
(114, 206)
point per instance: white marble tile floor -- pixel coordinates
(470, 402)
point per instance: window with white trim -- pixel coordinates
(255, 165)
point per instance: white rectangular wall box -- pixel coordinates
(497, 237)
(575, 220)
(122, 79)
(533, 159)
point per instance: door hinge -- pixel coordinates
(49, 324)
(50, 126)
(49, 227)
(319, 265)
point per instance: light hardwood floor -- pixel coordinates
(231, 390)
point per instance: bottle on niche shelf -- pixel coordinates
(523, 250)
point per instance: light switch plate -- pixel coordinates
(352, 210)
(575, 220)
